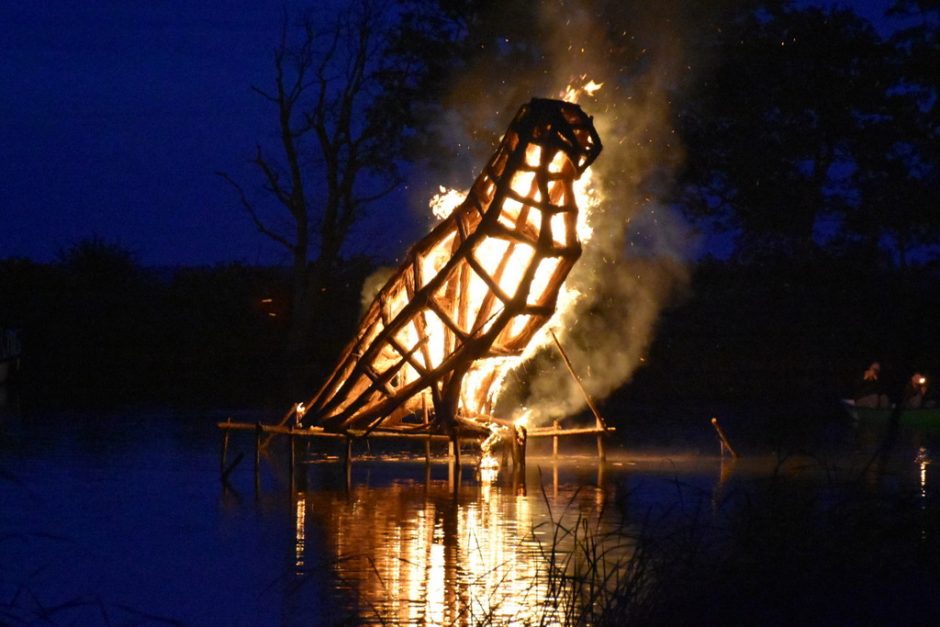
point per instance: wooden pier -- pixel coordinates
(263, 433)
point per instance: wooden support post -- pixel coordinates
(455, 443)
(427, 443)
(601, 423)
(725, 444)
(348, 458)
(235, 462)
(225, 439)
(598, 419)
(258, 445)
(523, 443)
(555, 440)
(258, 433)
(290, 413)
(290, 455)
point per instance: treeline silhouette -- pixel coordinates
(98, 328)
(804, 135)
(793, 332)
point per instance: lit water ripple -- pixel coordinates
(417, 552)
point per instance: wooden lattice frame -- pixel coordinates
(479, 286)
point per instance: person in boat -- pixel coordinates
(915, 391)
(870, 391)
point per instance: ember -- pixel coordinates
(473, 294)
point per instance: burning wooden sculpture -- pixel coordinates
(474, 291)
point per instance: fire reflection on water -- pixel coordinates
(300, 524)
(923, 460)
(419, 553)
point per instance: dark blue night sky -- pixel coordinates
(116, 115)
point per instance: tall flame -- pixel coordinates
(587, 197)
(474, 295)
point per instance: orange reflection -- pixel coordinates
(300, 525)
(417, 553)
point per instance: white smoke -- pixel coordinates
(634, 264)
(372, 285)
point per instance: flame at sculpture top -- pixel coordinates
(430, 352)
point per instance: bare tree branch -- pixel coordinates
(249, 207)
(264, 94)
(365, 200)
(326, 91)
(273, 181)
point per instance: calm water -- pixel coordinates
(121, 518)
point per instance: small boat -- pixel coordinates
(923, 417)
(10, 349)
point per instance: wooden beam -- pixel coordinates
(725, 443)
(601, 423)
(546, 432)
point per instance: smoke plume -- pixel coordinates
(634, 264)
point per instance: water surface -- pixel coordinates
(120, 517)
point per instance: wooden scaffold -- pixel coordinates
(474, 291)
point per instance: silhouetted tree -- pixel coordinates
(98, 337)
(775, 133)
(96, 263)
(337, 146)
(899, 176)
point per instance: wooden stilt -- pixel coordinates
(555, 441)
(427, 443)
(587, 399)
(292, 412)
(725, 444)
(348, 459)
(258, 445)
(235, 462)
(290, 455)
(599, 421)
(258, 433)
(225, 440)
(523, 443)
(455, 443)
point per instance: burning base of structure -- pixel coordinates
(430, 353)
